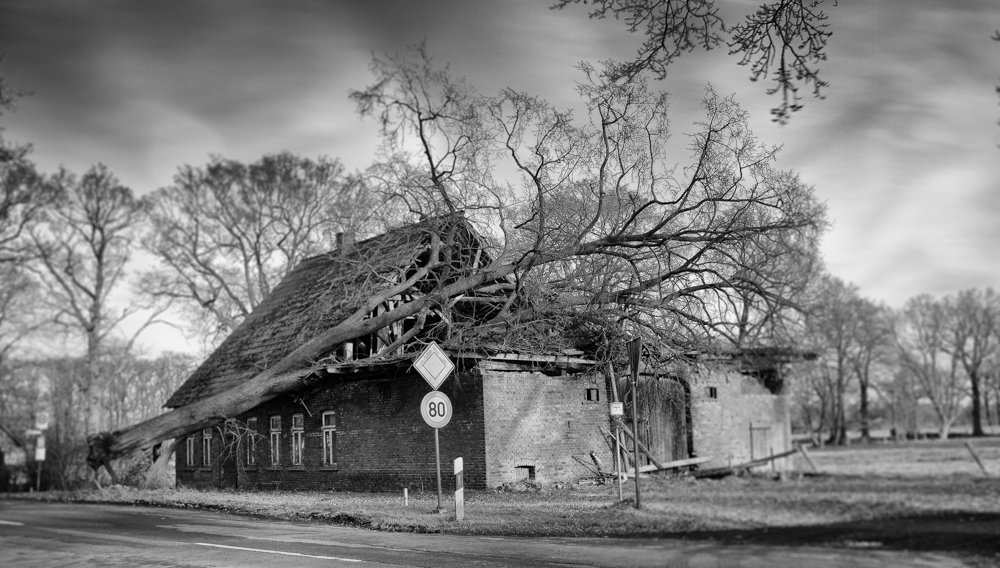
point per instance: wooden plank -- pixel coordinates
(805, 454)
(675, 464)
(724, 471)
(642, 447)
(975, 456)
(586, 465)
(597, 462)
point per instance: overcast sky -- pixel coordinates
(904, 149)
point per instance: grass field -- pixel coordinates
(927, 495)
(933, 458)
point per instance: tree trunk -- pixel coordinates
(977, 419)
(945, 430)
(863, 411)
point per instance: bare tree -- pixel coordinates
(137, 387)
(973, 316)
(784, 40)
(23, 192)
(227, 233)
(922, 337)
(872, 351)
(592, 226)
(82, 247)
(833, 325)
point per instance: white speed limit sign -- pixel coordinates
(436, 409)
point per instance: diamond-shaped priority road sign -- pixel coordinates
(434, 365)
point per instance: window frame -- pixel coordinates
(275, 440)
(329, 438)
(189, 451)
(251, 449)
(298, 438)
(206, 447)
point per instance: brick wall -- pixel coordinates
(722, 425)
(541, 421)
(382, 442)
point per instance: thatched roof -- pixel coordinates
(318, 294)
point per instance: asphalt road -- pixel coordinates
(36, 534)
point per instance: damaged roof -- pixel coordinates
(321, 292)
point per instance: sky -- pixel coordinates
(904, 148)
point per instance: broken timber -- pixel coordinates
(669, 465)
(720, 472)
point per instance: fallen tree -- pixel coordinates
(599, 234)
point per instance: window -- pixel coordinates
(251, 442)
(275, 440)
(524, 472)
(206, 447)
(330, 438)
(190, 450)
(385, 392)
(713, 392)
(593, 395)
(298, 438)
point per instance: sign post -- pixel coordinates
(634, 350)
(39, 460)
(436, 410)
(617, 411)
(434, 366)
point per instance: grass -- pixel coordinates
(874, 489)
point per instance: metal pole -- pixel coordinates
(437, 457)
(618, 461)
(636, 348)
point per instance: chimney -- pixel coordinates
(345, 242)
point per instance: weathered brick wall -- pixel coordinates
(382, 441)
(541, 421)
(722, 425)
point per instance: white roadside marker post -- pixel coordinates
(459, 491)
(406, 497)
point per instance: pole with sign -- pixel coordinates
(634, 350)
(617, 410)
(434, 366)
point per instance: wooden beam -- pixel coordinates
(642, 447)
(805, 454)
(975, 456)
(670, 465)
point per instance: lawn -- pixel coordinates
(920, 495)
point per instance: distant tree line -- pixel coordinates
(934, 359)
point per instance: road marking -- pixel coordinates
(279, 552)
(11, 523)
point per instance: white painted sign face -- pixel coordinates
(434, 365)
(436, 409)
(40, 449)
(617, 408)
(41, 420)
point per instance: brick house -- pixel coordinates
(515, 415)
(358, 426)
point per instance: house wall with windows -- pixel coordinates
(354, 435)
(736, 418)
(508, 424)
